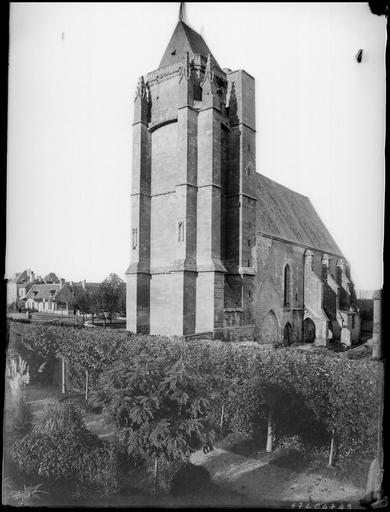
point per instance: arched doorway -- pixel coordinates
(309, 331)
(269, 331)
(287, 334)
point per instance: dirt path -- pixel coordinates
(261, 479)
(258, 478)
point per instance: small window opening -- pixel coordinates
(180, 237)
(135, 238)
(286, 286)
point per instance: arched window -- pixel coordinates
(287, 335)
(287, 279)
(339, 275)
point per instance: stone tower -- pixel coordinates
(193, 205)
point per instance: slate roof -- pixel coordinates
(22, 277)
(286, 214)
(90, 287)
(184, 39)
(51, 278)
(43, 291)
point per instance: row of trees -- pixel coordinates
(322, 398)
(107, 302)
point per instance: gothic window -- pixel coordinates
(339, 275)
(180, 231)
(353, 321)
(135, 238)
(287, 279)
(324, 273)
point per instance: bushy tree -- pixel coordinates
(110, 298)
(157, 409)
(60, 447)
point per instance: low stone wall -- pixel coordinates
(235, 333)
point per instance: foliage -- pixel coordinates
(18, 377)
(110, 298)
(317, 392)
(55, 416)
(22, 418)
(85, 304)
(56, 454)
(20, 497)
(157, 409)
(74, 455)
(109, 468)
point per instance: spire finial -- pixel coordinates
(181, 11)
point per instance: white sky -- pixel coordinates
(73, 70)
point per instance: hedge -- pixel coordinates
(313, 393)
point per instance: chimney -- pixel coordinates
(84, 285)
(31, 276)
(70, 283)
(62, 282)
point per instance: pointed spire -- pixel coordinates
(211, 95)
(208, 74)
(184, 39)
(141, 102)
(181, 11)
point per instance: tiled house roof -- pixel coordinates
(39, 292)
(285, 214)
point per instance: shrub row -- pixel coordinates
(312, 393)
(61, 448)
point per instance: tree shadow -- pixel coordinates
(292, 459)
(278, 479)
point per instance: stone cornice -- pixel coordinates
(304, 246)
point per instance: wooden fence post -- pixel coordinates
(86, 385)
(270, 432)
(155, 474)
(222, 415)
(331, 453)
(63, 375)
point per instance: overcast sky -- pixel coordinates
(73, 70)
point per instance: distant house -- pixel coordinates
(50, 298)
(84, 287)
(51, 278)
(56, 297)
(18, 285)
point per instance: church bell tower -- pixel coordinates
(192, 199)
